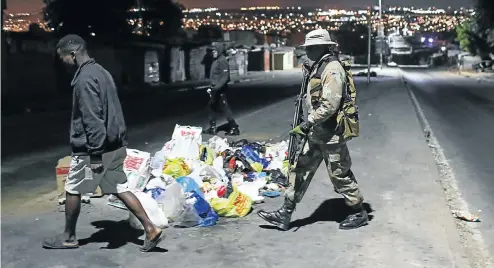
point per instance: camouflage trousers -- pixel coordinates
(338, 164)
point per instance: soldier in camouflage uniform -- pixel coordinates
(327, 84)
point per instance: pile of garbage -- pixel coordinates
(192, 183)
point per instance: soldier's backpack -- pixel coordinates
(347, 117)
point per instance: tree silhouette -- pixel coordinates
(485, 14)
(110, 18)
(83, 17)
(350, 38)
(209, 32)
(34, 28)
(483, 28)
(465, 36)
(473, 35)
(162, 18)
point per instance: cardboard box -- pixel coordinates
(62, 171)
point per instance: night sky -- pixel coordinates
(16, 6)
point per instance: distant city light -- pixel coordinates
(288, 20)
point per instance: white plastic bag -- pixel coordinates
(275, 164)
(218, 163)
(196, 176)
(194, 164)
(189, 217)
(167, 148)
(218, 144)
(237, 179)
(158, 174)
(136, 167)
(158, 160)
(155, 214)
(138, 181)
(156, 183)
(251, 189)
(207, 172)
(186, 141)
(277, 151)
(214, 174)
(172, 202)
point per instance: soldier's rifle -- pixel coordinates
(296, 144)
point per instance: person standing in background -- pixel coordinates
(220, 76)
(207, 61)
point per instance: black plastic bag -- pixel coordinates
(278, 177)
(239, 143)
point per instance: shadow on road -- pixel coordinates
(117, 234)
(333, 209)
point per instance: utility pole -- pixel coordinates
(139, 12)
(381, 33)
(369, 25)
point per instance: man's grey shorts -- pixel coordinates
(81, 180)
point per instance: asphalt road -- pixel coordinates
(410, 222)
(461, 114)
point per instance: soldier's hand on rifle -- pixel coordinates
(302, 129)
(306, 68)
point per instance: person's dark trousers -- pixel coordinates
(218, 105)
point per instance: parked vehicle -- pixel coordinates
(483, 66)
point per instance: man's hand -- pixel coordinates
(302, 129)
(96, 165)
(306, 66)
(97, 168)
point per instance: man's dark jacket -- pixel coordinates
(220, 74)
(98, 125)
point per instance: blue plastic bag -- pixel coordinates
(155, 192)
(204, 210)
(256, 175)
(197, 212)
(190, 185)
(253, 156)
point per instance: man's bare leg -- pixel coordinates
(153, 233)
(72, 211)
(68, 238)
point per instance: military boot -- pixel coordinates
(212, 128)
(281, 217)
(358, 218)
(234, 130)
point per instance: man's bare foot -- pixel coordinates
(152, 240)
(152, 234)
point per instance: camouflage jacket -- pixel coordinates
(324, 99)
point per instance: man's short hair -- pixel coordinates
(71, 43)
